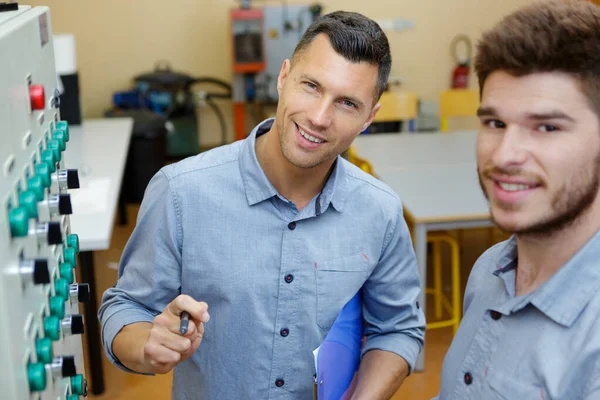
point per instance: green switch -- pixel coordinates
(78, 385)
(28, 201)
(52, 328)
(59, 136)
(43, 171)
(61, 288)
(18, 222)
(70, 256)
(57, 306)
(66, 272)
(47, 156)
(36, 185)
(53, 145)
(73, 242)
(63, 125)
(72, 397)
(36, 374)
(43, 349)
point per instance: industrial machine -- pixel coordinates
(262, 38)
(40, 324)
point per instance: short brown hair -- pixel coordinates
(554, 35)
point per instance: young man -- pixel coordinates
(274, 234)
(532, 304)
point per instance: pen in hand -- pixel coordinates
(183, 325)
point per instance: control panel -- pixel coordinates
(40, 322)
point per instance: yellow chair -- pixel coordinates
(457, 103)
(453, 307)
(398, 106)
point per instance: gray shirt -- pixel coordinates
(275, 278)
(542, 345)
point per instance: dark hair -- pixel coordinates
(555, 35)
(354, 37)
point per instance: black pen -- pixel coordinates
(183, 325)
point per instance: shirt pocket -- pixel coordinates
(338, 280)
(507, 387)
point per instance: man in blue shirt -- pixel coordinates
(531, 326)
(274, 235)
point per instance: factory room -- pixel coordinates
(327, 200)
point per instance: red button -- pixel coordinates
(37, 97)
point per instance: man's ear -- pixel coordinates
(283, 75)
(372, 115)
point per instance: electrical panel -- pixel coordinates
(40, 323)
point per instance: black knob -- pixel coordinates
(63, 367)
(73, 325)
(80, 292)
(68, 366)
(77, 327)
(72, 179)
(54, 233)
(41, 275)
(64, 204)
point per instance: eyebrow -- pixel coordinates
(543, 116)
(354, 100)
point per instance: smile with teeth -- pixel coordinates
(309, 137)
(514, 187)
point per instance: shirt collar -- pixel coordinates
(258, 187)
(566, 294)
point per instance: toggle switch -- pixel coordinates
(64, 126)
(79, 385)
(28, 201)
(47, 156)
(63, 367)
(35, 271)
(60, 136)
(54, 146)
(62, 289)
(73, 242)
(43, 350)
(57, 306)
(66, 272)
(36, 185)
(73, 325)
(52, 328)
(70, 256)
(36, 375)
(60, 204)
(37, 97)
(43, 171)
(18, 221)
(79, 293)
(66, 179)
(48, 233)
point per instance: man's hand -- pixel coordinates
(166, 347)
(158, 347)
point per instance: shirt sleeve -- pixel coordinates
(393, 319)
(150, 267)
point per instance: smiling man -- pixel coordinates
(275, 234)
(532, 304)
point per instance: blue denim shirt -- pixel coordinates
(542, 345)
(275, 278)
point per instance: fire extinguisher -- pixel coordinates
(460, 75)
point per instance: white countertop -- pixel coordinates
(435, 174)
(98, 149)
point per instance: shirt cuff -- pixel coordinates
(113, 325)
(398, 343)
